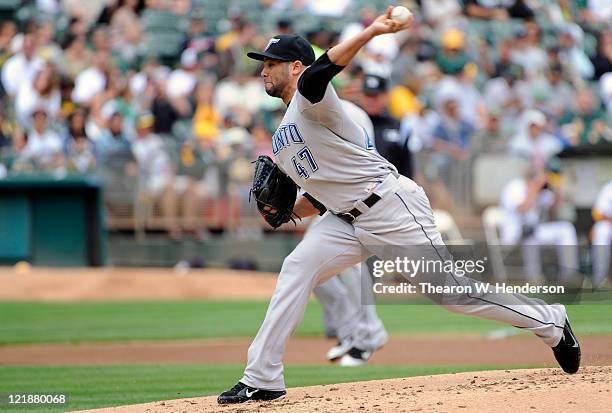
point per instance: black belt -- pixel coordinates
(354, 213)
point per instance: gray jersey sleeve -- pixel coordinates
(327, 112)
(361, 118)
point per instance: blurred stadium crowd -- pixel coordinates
(157, 97)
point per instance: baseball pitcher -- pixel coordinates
(321, 149)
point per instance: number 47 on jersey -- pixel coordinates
(304, 155)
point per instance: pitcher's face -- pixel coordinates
(275, 74)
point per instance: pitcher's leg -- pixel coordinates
(545, 321)
(410, 212)
(325, 251)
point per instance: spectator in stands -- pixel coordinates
(80, 157)
(557, 93)
(206, 119)
(113, 148)
(22, 67)
(92, 81)
(8, 30)
(491, 138)
(76, 27)
(77, 57)
(182, 81)
(452, 135)
(586, 124)
(509, 93)
(13, 156)
(126, 32)
(602, 61)
(504, 57)
(500, 10)
(107, 12)
(166, 109)
(326, 8)
(573, 57)
(5, 133)
(44, 147)
(560, 12)
(528, 52)
(462, 86)
(441, 12)
(201, 40)
(528, 204)
(155, 172)
(284, 26)
(245, 41)
(533, 143)
(595, 12)
(403, 97)
(42, 92)
(452, 56)
(100, 39)
(193, 186)
(240, 94)
(77, 121)
(235, 158)
(47, 49)
(125, 25)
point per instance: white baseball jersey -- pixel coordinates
(311, 135)
(603, 204)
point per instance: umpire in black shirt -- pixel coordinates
(389, 142)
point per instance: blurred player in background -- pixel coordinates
(602, 235)
(528, 204)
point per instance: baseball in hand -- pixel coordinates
(400, 14)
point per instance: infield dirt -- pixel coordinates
(539, 390)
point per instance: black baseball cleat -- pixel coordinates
(567, 352)
(241, 393)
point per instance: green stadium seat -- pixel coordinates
(161, 20)
(165, 45)
(10, 4)
(9, 8)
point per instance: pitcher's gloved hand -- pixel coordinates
(274, 192)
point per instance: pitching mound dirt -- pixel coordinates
(543, 390)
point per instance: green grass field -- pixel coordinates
(124, 321)
(113, 385)
(108, 385)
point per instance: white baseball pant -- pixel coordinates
(402, 217)
(602, 236)
(343, 299)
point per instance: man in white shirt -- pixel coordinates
(44, 147)
(21, 67)
(92, 81)
(156, 172)
(182, 82)
(602, 235)
(525, 203)
(534, 143)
